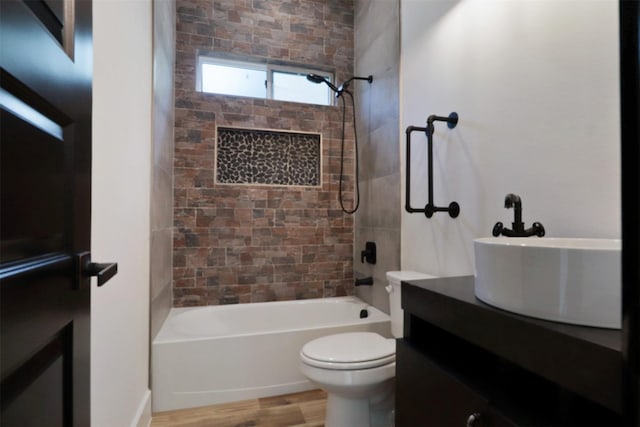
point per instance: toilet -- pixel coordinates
(357, 369)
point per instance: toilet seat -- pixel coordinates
(349, 351)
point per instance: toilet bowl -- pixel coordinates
(357, 369)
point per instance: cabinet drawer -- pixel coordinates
(426, 395)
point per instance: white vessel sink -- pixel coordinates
(573, 281)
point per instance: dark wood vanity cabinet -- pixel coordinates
(427, 395)
(463, 363)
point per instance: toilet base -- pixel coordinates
(365, 412)
(343, 412)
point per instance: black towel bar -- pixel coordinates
(454, 208)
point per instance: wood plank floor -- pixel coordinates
(304, 409)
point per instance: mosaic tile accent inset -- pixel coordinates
(250, 156)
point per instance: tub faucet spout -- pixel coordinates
(367, 281)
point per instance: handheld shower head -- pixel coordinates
(314, 78)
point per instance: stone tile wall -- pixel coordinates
(259, 243)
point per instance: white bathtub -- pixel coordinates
(217, 354)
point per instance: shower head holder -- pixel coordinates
(315, 78)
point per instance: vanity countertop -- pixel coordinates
(585, 360)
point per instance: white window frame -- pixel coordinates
(269, 69)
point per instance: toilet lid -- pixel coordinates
(351, 350)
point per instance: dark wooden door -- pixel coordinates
(45, 211)
(630, 156)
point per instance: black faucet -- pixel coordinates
(513, 201)
(367, 281)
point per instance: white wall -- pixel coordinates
(120, 218)
(536, 86)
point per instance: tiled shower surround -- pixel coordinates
(253, 243)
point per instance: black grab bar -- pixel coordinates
(454, 208)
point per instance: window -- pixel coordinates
(233, 80)
(261, 80)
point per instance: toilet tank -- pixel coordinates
(394, 278)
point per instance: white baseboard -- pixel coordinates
(143, 414)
